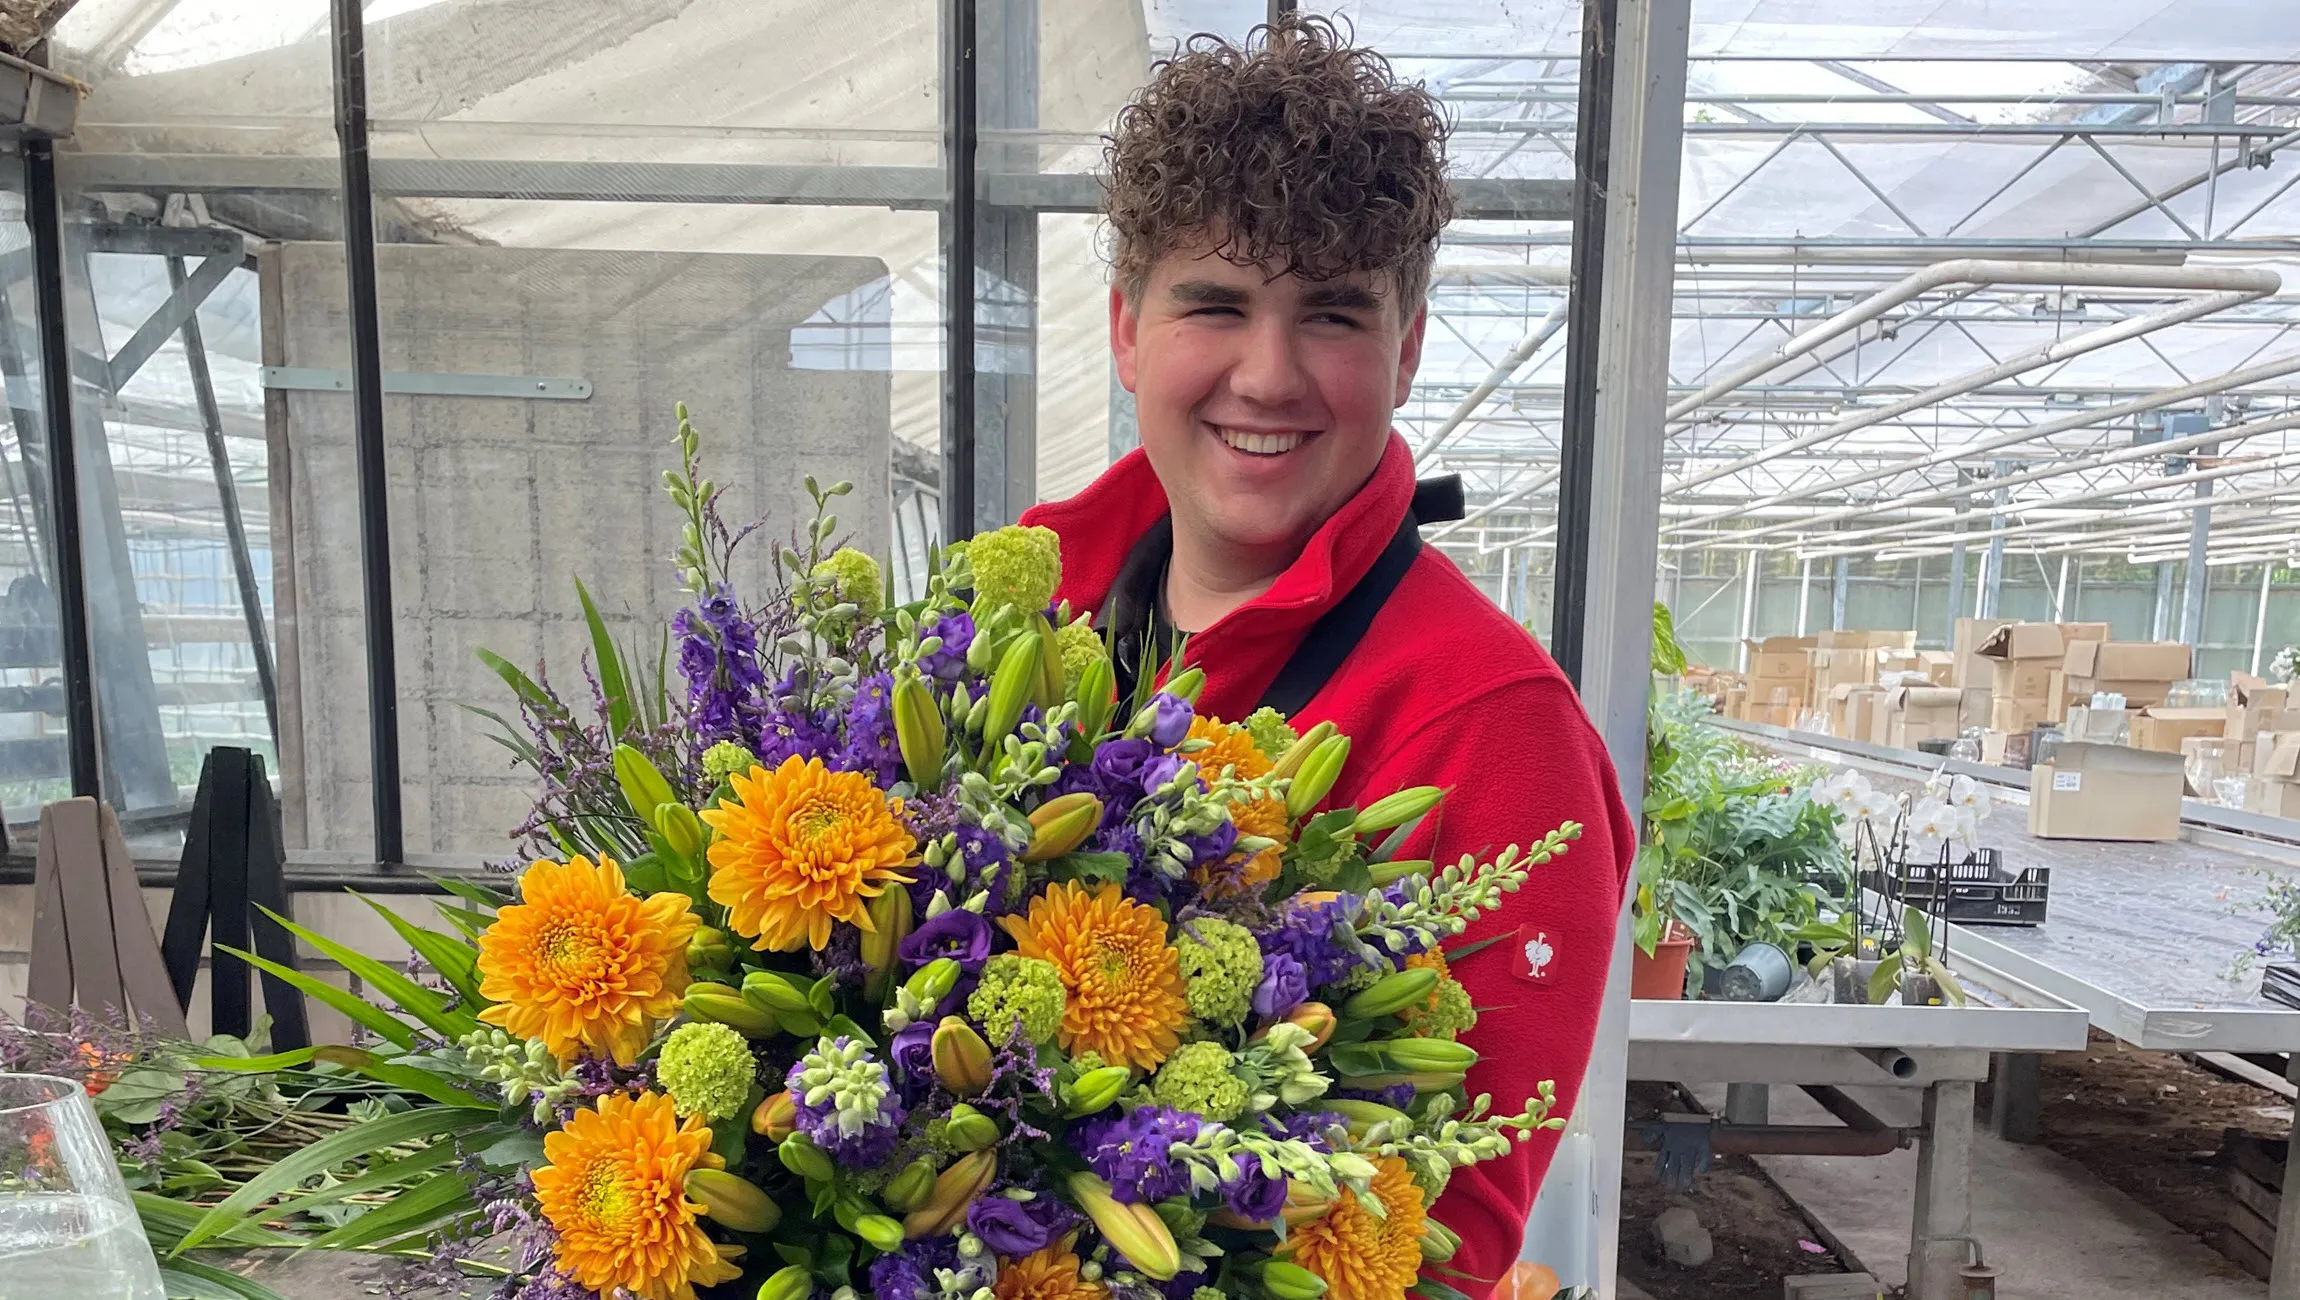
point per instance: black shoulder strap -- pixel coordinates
(1338, 631)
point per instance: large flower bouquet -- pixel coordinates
(903, 957)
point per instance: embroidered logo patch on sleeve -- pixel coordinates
(1530, 954)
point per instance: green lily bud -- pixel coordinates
(1397, 809)
(1010, 688)
(1429, 1053)
(907, 1190)
(1286, 1280)
(961, 1057)
(919, 731)
(772, 995)
(732, 1200)
(1094, 1090)
(879, 1230)
(1049, 692)
(775, 1118)
(1392, 993)
(1319, 772)
(1135, 1230)
(1362, 1116)
(1187, 683)
(1060, 825)
(1439, 1242)
(1299, 752)
(969, 1129)
(1097, 698)
(680, 829)
(1388, 873)
(890, 924)
(933, 981)
(801, 1156)
(643, 786)
(792, 1283)
(718, 1004)
(954, 1189)
(708, 949)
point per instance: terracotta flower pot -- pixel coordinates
(1661, 977)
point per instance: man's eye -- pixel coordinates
(1335, 318)
(1214, 311)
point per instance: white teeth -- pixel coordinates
(1261, 444)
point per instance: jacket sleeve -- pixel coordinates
(1520, 761)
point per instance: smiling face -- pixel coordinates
(1264, 404)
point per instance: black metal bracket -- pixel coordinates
(233, 865)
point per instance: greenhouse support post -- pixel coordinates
(960, 138)
(2259, 615)
(2199, 544)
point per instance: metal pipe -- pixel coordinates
(2193, 594)
(1748, 605)
(960, 137)
(1540, 333)
(1854, 1114)
(1892, 1060)
(350, 42)
(44, 224)
(1981, 272)
(2076, 345)
(1784, 1140)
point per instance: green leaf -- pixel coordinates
(645, 874)
(1884, 980)
(470, 922)
(167, 1220)
(1946, 978)
(375, 1179)
(191, 1278)
(417, 1208)
(335, 1149)
(517, 1150)
(258, 1064)
(535, 697)
(383, 1023)
(1919, 938)
(840, 1024)
(1100, 868)
(610, 665)
(407, 1078)
(410, 997)
(457, 962)
(471, 891)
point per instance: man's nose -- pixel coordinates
(1270, 370)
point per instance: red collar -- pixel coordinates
(1100, 525)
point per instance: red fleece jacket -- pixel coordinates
(1443, 690)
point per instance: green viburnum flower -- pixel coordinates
(726, 759)
(1197, 1078)
(1018, 990)
(1221, 964)
(1209, 1293)
(1452, 1014)
(856, 578)
(841, 1072)
(707, 1069)
(1268, 729)
(1016, 566)
(1081, 646)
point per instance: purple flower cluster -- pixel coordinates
(860, 1150)
(1129, 1151)
(949, 662)
(1285, 985)
(719, 657)
(792, 730)
(1314, 936)
(870, 746)
(908, 1273)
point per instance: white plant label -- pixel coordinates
(2067, 781)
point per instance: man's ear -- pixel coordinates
(1124, 322)
(1410, 354)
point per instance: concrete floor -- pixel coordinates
(2057, 1232)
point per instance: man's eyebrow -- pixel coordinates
(1352, 296)
(1207, 293)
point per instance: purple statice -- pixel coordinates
(1006, 1226)
(841, 959)
(860, 1148)
(870, 746)
(719, 657)
(947, 663)
(1285, 985)
(1254, 1195)
(908, 1273)
(1317, 935)
(1129, 1152)
(594, 1077)
(960, 935)
(1170, 717)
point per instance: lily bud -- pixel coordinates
(1303, 1204)
(1396, 809)
(1097, 697)
(1389, 873)
(879, 1230)
(1286, 1280)
(1316, 779)
(801, 1156)
(792, 1283)
(919, 732)
(1135, 1231)
(732, 1200)
(680, 829)
(772, 995)
(643, 786)
(961, 1057)
(1316, 1017)
(1299, 752)
(1094, 1090)
(1439, 1242)
(1428, 1053)
(933, 982)
(1392, 993)
(1061, 824)
(718, 1004)
(775, 1118)
(969, 1129)
(1010, 688)
(1049, 692)
(908, 1190)
(954, 1189)
(1362, 1116)
(709, 949)
(890, 924)
(1187, 684)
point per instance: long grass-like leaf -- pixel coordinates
(471, 891)
(386, 1025)
(255, 1064)
(166, 1221)
(376, 1179)
(455, 960)
(185, 1277)
(406, 1078)
(470, 922)
(321, 1156)
(405, 993)
(610, 665)
(417, 1208)
(523, 686)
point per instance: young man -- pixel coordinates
(1275, 212)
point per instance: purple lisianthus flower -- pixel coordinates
(1170, 717)
(1129, 1152)
(1006, 1226)
(960, 935)
(1253, 1195)
(1213, 846)
(1160, 770)
(957, 632)
(913, 1055)
(1285, 985)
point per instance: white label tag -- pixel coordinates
(2067, 781)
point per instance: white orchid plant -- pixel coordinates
(1939, 822)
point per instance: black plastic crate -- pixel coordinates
(1976, 891)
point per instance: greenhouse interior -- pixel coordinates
(1940, 361)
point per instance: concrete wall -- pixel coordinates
(498, 504)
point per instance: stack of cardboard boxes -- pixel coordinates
(1778, 682)
(2263, 741)
(2026, 664)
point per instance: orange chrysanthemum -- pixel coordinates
(1048, 1274)
(803, 846)
(582, 962)
(1122, 980)
(1360, 1256)
(1229, 746)
(614, 1187)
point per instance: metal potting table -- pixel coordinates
(2139, 937)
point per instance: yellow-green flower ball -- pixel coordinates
(727, 759)
(1016, 566)
(1452, 1015)
(1197, 1078)
(856, 578)
(1269, 731)
(1017, 991)
(1081, 647)
(707, 1069)
(1221, 965)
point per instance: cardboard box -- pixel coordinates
(1780, 659)
(1737, 703)
(2022, 657)
(1843, 711)
(2006, 748)
(2272, 798)
(2276, 755)
(1833, 668)
(2015, 715)
(1861, 714)
(1773, 715)
(2162, 729)
(1975, 710)
(1939, 666)
(1969, 670)
(1919, 713)
(2253, 708)
(1838, 640)
(2098, 726)
(2106, 792)
(2141, 671)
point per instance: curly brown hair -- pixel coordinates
(1296, 150)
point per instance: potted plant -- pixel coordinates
(1870, 961)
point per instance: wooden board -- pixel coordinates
(142, 974)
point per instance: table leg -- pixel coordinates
(2284, 1270)
(1748, 1103)
(2016, 1097)
(1943, 1222)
